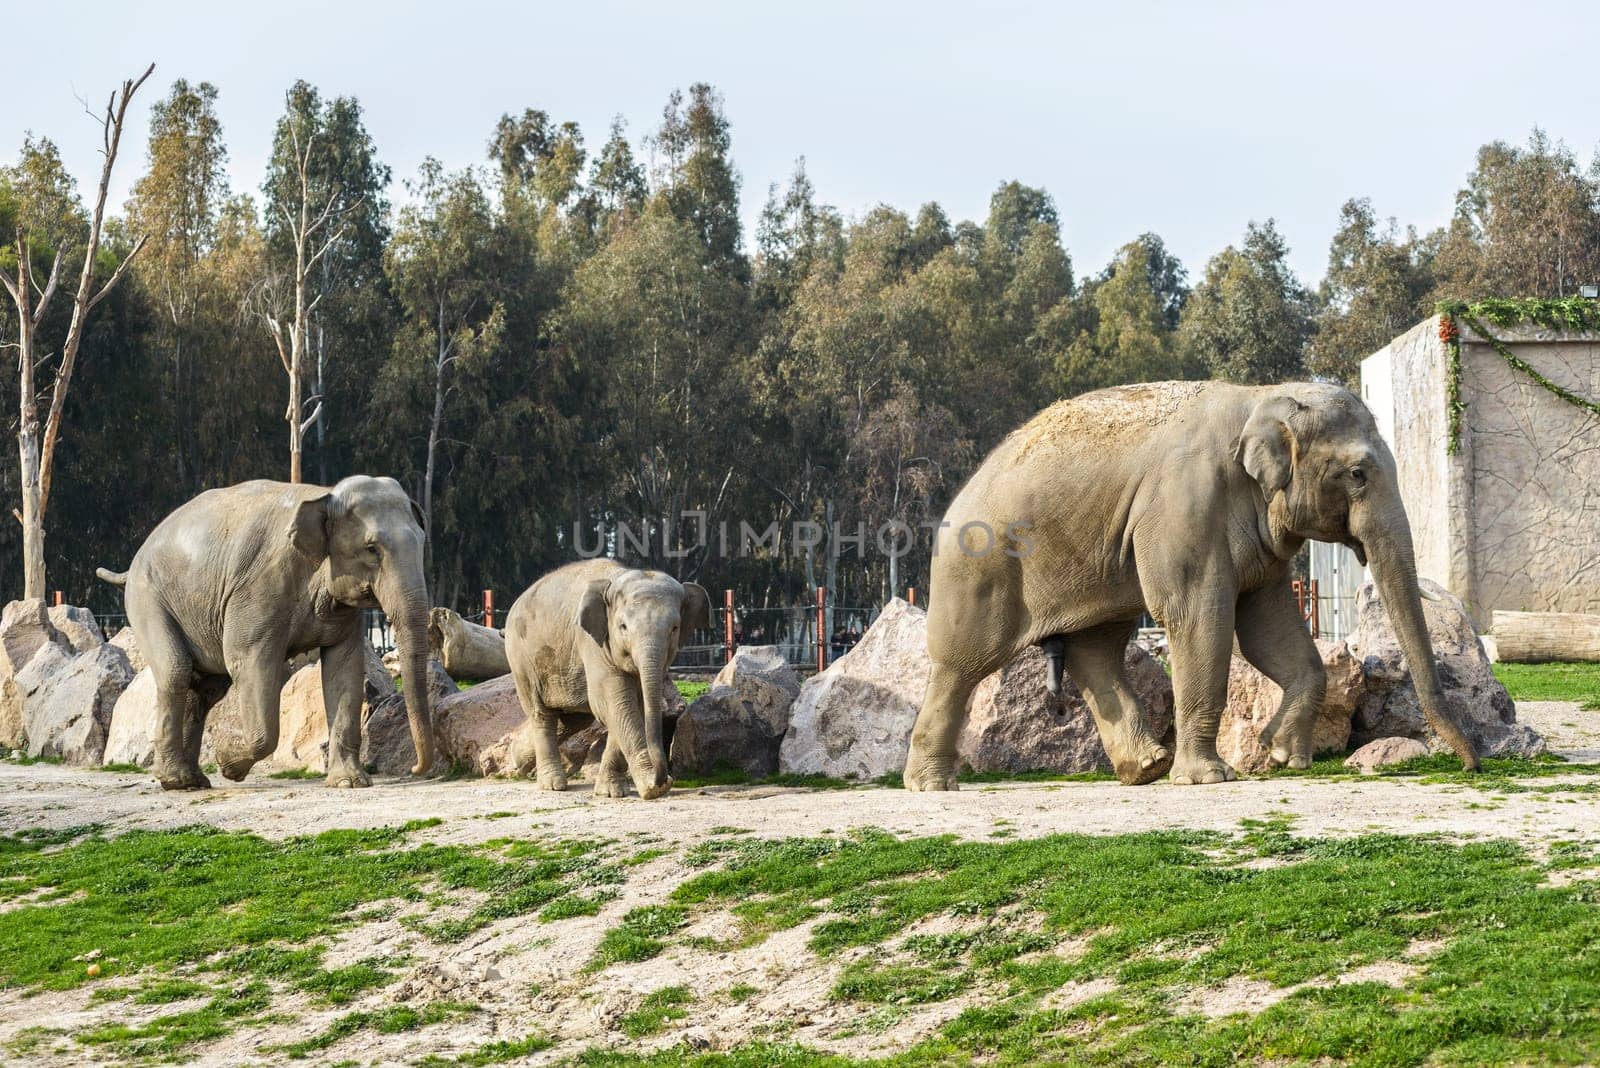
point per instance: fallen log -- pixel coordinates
(1532, 637)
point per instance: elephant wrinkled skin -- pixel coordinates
(1187, 500)
(234, 583)
(597, 637)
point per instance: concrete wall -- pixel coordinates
(1512, 520)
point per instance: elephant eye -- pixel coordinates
(1358, 476)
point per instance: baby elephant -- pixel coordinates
(596, 637)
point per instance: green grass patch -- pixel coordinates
(392, 1020)
(640, 936)
(167, 1036)
(500, 1052)
(297, 773)
(121, 768)
(1552, 682)
(1517, 979)
(658, 1008)
(691, 691)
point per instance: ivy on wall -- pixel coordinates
(1569, 314)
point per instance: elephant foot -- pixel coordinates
(610, 786)
(344, 778)
(925, 774)
(1281, 756)
(1195, 770)
(554, 781)
(234, 770)
(651, 791)
(184, 779)
(1150, 762)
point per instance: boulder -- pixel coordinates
(24, 627)
(16, 688)
(582, 746)
(302, 723)
(467, 650)
(1253, 700)
(741, 720)
(474, 726)
(1015, 724)
(386, 746)
(1473, 697)
(1381, 751)
(78, 626)
(69, 701)
(131, 737)
(125, 640)
(854, 719)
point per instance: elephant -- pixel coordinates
(1186, 500)
(237, 581)
(596, 637)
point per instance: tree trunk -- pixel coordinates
(1533, 637)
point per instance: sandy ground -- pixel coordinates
(528, 976)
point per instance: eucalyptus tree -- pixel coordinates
(1249, 318)
(39, 209)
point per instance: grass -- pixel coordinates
(500, 1052)
(691, 691)
(658, 1008)
(1552, 682)
(297, 773)
(1158, 915)
(227, 920)
(392, 1020)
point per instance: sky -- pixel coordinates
(1185, 119)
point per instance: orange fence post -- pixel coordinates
(727, 626)
(61, 598)
(1314, 613)
(488, 609)
(822, 628)
(911, 595)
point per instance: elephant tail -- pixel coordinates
(116, 578)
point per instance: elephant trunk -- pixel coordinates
(650, 776)
(406, 605)
(1386, 536)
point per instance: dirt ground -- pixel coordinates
(529, 976)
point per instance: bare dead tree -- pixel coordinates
(38, 451)
(314, 231)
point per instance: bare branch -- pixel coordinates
(311, 419)
(49, 288)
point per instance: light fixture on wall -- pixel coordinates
(1590, 291)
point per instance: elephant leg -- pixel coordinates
(534, 745)
(208, 692)
(177, 763)
(931, 761)
(1201, 641)
(343, 688)
(612, 779)
(257, 686)
(1096, 660)
(1274, 639)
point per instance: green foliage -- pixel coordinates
(395, 1019)
(1249, 318)
(658, 1008)
(640, 935)
(691, 691)
(1552, 682)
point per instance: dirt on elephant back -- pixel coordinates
(629, 962)
(1105, 416)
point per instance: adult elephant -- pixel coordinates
(232, 584)
(1186, 500)
(595, 637)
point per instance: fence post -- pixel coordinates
(488, 609)
(911, 595)
(61, 598)
(1315, 623)
(822, 628)
(727, 626)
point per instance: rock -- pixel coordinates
(1016, 725)
(854, 719)
(78, 626)
(1253, 701)
(302, 723)
(24, 627)
(741, 720)
(1381, 751)
(1473, 697)
(467, 650)
(131, 737)
(125, 640)
(69, 701)
(582, 746)
(474, 726)
(386, 745)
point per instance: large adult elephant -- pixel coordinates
(232, 584)
(1186, 500)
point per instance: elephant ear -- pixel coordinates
(308, 530)
(593, 610)
(696, 611)
(1266, 445)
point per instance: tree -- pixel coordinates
(38, 206)
(1376, 287)
(325, 235)
(1527, 224)
(441, 263)
(695, 176)
(1249, 318)
(178, 203)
